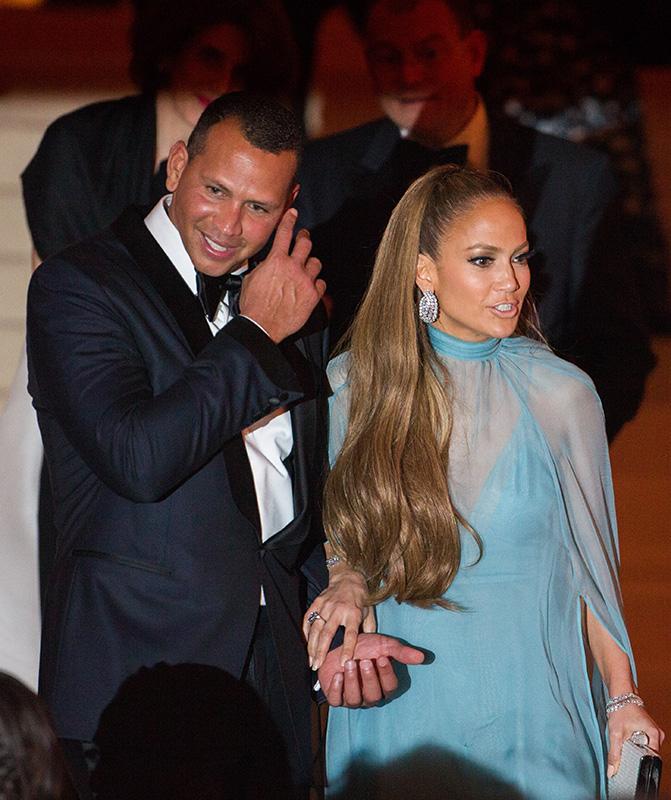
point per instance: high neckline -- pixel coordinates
(448, 345)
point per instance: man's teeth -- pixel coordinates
(504, 307)
(217, 247)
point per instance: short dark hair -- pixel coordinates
(31, 761)
(264, 122)
(162, 29)
(359, 11)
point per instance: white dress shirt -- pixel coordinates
(269, 440)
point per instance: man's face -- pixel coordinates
(423, 67)
(228, 199)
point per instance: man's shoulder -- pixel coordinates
(351, 143)
(544, 148)
(97, 257)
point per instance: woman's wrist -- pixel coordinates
(616, 702)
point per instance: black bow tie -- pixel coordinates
(211, 291)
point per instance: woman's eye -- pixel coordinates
(523, 258)
(481, 261)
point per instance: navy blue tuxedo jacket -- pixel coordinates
(159, 554)
(588, 299)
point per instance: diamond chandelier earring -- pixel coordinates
(428, 307)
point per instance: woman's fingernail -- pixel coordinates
(310, 662)
(611, 770)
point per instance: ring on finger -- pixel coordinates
(313, 616)
(640, 737)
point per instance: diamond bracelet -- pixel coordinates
(332, 561)
(622, 700)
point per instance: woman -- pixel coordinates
(471, 488)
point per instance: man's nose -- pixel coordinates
(229, 219)
(412, 71)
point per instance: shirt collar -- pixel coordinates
(168, 237)
(166, 234)
(474, 134)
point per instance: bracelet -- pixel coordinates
(616, 703)
(332, 561)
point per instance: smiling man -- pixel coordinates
(424, 58)
(183, 428)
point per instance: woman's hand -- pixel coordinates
(342, 603)
(621, 724)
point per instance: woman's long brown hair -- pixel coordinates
(387, 507)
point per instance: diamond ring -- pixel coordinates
(313, 616)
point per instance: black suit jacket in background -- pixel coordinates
(159, 556)
(588, 299)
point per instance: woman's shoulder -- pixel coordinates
(338, 372)
(548, 373)
(93, 119)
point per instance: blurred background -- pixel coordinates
(592, 72)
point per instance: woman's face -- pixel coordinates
(212, 63)
(481, 274)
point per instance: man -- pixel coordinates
(185, 442)
(425, 57)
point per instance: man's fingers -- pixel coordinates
(302, 246)
(387, 676)
(371, 689)
(313, 267)
(351, 686)
(284, 232)
(406, 654)
(334, 693)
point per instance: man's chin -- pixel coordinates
(403, 115)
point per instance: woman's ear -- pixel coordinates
(425, 272)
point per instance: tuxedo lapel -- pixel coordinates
(153, 263)
(187, 312)
(512, 153)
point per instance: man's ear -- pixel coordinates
(477, 45)
(178, 158)
(425, 271)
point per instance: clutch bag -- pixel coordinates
(638, 775)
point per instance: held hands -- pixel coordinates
(281, 293)
(342, 603)
(370, 676)
(621, 724)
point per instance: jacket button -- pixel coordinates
(273, 401)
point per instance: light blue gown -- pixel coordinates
(505, 709)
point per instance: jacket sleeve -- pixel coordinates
(88, 372)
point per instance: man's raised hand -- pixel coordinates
(281, 293)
